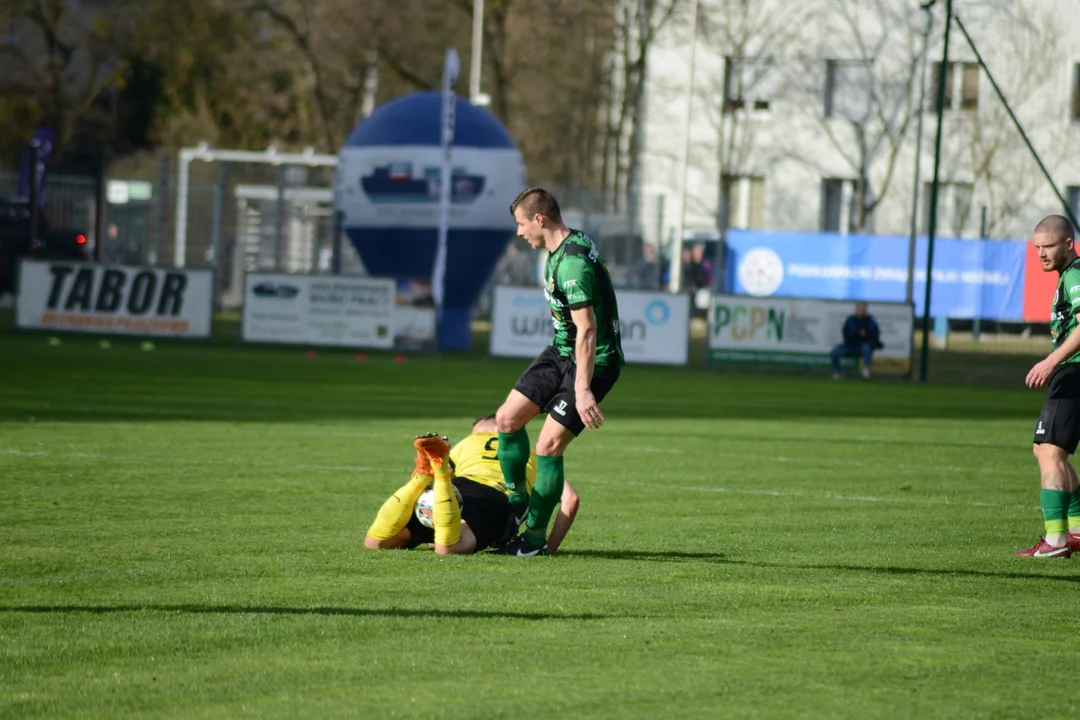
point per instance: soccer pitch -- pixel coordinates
(181, 535)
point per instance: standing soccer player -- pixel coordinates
(569, 378)
(1058, 430)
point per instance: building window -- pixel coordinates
(955, 201)
(837, 204)
(961, 86)
(743, 202)
(1076, 93)
(749, 84)
(848, 89)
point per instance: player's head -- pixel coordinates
(535, 210)
(860, 309)
(485, 424)
(1054, 240)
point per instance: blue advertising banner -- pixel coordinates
(971, 278)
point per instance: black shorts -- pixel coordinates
(549, 382)
(1059, 421)
(485, 509)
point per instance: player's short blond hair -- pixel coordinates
(1057, 227)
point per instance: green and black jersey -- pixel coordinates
(576, 277)
(1066, 305)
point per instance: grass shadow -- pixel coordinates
(319, 610)
(722, 558)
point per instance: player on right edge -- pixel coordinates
(1058, 430)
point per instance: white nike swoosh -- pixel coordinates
(1053, 553)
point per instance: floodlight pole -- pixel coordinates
(927, 19)
(475, 58)
(932, 230)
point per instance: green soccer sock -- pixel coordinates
(1055, 507)
(513, 458)
(1074, 512)
(546, 494)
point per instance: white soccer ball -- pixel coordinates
(425, 506)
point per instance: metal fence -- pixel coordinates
(69, 201)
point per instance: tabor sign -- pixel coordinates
(114, 299)
(318, 310)
(779, 331)
(654, 326)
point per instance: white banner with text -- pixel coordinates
(655, 327)
(114, 299)
(779, 331)
(318, 310)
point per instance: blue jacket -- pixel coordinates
(854, 329)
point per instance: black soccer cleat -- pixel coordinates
(521, 546)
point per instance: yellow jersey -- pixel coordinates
(474, 458)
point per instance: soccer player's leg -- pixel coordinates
(389, 526)
(447, 512)
(1056, 435)
(536, 386)
(563, 424)
(513, 453)
(550, 476)
(1074, 508)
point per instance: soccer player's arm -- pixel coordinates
(389, 531)
(568, 507)
(579, 284)
(397, 542)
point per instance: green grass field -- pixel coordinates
(181, 535)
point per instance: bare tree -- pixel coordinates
(866, 57)
(636, 25)
(753, 38)
(992, 153)
(61, 60)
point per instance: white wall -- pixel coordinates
(1028, 46)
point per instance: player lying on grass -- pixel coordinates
(481, 520)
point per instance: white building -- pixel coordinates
(794, 102)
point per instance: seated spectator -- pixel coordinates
(861, 338)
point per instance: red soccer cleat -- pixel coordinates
(432, 448)
(1042, 549)
(1074, 542)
